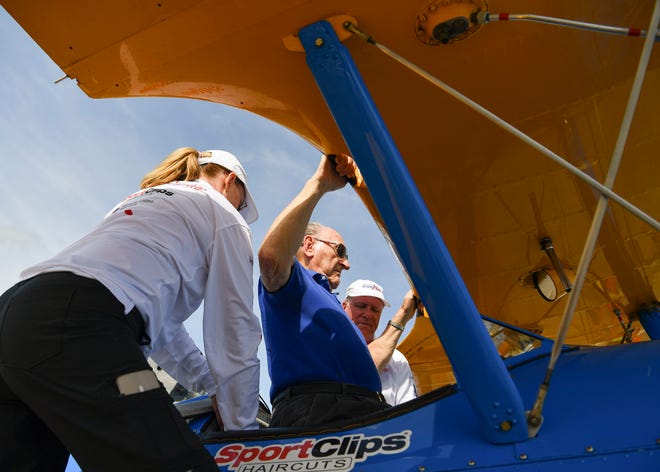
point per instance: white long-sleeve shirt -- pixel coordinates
(164, 250)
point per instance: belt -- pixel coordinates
(326, 387)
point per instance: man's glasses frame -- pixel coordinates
(339, 248)
(243, 204)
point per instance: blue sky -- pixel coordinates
(68, 159)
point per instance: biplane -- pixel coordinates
(507, 152)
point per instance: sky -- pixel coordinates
(67, 159)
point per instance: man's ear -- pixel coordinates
(308, 242)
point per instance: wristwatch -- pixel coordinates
(396, 325)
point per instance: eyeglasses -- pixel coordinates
(339, 248)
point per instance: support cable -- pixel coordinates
(484, 17)
(508, 127)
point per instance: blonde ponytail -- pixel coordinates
(181, 164)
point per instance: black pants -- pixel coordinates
(323, 403)
(64, 340)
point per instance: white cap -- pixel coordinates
(229, 162)
(366, 288)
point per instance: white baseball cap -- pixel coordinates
(230, 162)
(366, 288)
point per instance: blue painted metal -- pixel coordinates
(198, 424)
(591, 424)
(476, 363)
(649, 317)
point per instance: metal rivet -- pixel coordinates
(318, 42)
(421, 468)
(496, 404)
(472, 463)
(589, 449)
(523, 457)
(505, 425)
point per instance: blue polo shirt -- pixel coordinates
(310, 338)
